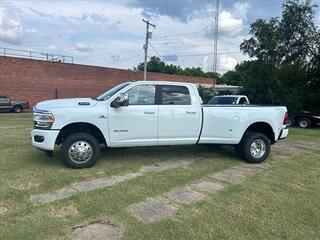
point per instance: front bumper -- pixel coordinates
(44, 139)
(283, 134)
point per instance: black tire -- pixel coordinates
(304, 123)
(17, 109)
(290, 122)
(83, 138)
(248, 139)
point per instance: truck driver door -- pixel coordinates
(137, 123)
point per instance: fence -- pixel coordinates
(11, 52)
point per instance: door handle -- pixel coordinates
(147, 112)
(188, 112)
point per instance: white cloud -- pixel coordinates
(228, 25)
(83, 47)
(11, 30)
(227, 63)
(109, 33)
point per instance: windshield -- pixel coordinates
(112, 91)
(223, 100)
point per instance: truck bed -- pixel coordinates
(226, 124)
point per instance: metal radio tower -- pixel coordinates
(215, 39)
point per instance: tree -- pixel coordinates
(259, 81)
(287, 69)
(205, 93)
(232, 78)
(264, 42)
(299, 38)
(155, 64)
(294, 39)
(292, 90)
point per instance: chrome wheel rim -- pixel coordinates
(257, 148)
(303, 123)
(80, 152)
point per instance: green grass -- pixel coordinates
(282, 202)
(309, 134)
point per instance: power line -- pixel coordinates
(161, 57)
(275, 2)
(182, 42)
(177, 35)
(207, 54)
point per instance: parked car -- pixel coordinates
(12, 106)
(304, 119)
(152, 113)
(229, 99)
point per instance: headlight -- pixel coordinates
(43, 120)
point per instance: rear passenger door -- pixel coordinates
(179, 115)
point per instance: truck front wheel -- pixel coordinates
(17, 109)
(80, 150)
(255, 147)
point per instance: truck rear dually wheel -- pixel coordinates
(80, 150)
(255, 147)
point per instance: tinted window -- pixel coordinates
(3, 98)
(175, 95)
(112, 91)
(142, 95)
(222, 100)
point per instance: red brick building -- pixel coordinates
(36, 80)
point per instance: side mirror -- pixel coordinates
(120, 101)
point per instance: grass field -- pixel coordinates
(280, 202)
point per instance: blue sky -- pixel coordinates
(111, 33)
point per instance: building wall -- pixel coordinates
(35, 80)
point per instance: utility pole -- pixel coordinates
(145, 47)
(215, 38)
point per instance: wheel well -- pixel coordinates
(80, 127)
(262, 127)
(17, 105)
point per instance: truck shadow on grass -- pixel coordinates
(163, 153)
(145, 155)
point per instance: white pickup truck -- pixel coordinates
(153, 113)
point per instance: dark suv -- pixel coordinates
(12, 106)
